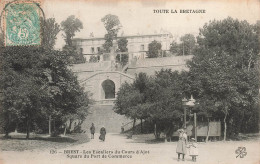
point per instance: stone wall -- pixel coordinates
(93, 84)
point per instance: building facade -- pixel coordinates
(103, 79)
(137, 45)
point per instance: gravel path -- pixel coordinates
(118, 149)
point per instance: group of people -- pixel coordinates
(103, 132)
(183, 144)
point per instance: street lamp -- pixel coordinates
(189, 104)
(184, 102)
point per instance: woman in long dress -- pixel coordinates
(181, 145)
(102, 134)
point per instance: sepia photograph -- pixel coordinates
(129, 81)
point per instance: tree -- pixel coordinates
(154, 49)
(157, 99)
(112, 25)
(70, 26)
(50, 30)
(20, 98)
(36, 83)
(164, 96)
(224, 70)
(122, 47)
(76, 57)
(93, 59)
(70, 101)
(187, 45)
(174, 48)
(130, 99)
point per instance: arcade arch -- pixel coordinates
(108, 89)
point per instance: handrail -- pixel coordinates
(128, 123)
(104, 72)
(125, 67)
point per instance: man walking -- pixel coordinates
(92, 130)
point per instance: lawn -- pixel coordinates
(18, 142)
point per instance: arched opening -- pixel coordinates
(108, 91)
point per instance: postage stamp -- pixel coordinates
(130, 81)
(22, 24)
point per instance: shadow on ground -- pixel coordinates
(20, 143)
(143, 138)
(49, 139)
(56, 139)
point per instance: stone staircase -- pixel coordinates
(103, 115)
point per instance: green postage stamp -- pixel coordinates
(22, 24)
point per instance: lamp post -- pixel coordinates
(184, 102)
(50, 82)
(189, 104)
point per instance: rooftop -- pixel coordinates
(126, 36)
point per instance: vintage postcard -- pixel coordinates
(129, 81)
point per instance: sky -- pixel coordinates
(138, 17)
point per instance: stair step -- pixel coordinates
(103, 115)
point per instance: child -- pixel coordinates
(194, 152)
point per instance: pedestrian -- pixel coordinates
(122, 128)
(92, 130)
(193, 149)
(102, 134)
(181, 145)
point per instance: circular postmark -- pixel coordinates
(22, 23)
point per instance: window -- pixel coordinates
(98, 49)
(142, 47)
(92, 50)
(131, 48)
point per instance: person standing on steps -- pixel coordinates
(92, 130)
(102, 134)
(181, 145)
